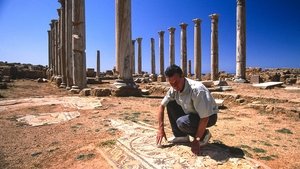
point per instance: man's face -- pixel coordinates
(176, 82)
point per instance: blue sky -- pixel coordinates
(273, 30)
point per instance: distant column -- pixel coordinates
(190, 68)
(197, 48)
(241, 39)
(183, 48)
(152, 46)
(58, 32)
(133, 57)
(49, 54)
(161, 77)
(62, 44)
(78, 44)
(171, 45)
(98, 66)
(68, 48)
(52, 48)
(56, 70)
(214, 47)
(139, 40)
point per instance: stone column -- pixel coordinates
(98, 66)
(68, 48)
(133, 57)
(58, 40)
(49, 54)
(78, 45)
(139, 41)
(161, 77)
(214, 47)
(183, 48)
(153, 75)
(52, 49)
(125, 85)
(197, 48)
(241, 40)
(56, 71)
(171, 45)
(62, 44)
(190, 68)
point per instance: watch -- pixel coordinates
(198, 138)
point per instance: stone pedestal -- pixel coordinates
(139, 41)
(197, 48)
(241, 39)
(171, 45)
(214, 47)
(183, 48)
(161, 77)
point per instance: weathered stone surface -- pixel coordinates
(183, 48)
(226, 88)
(255, 79)
(124, 88)
(241, 39)
(90, 72)
(75, 91)
(58, 81)
(214, 47)
(145, 92)
(161, 78)
(92, 80)
(240, 80)
(298, 81)
(6, 79)
(292, 89)
(291, 81)
(220, 83)
(3, 85)
(268, 85)
(207, 83)
(42, 80)
(101, 92)
(219, 102)
(85, 92)
(197, 48)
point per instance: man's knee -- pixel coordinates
(181, 123)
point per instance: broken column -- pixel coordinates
(78, 45)
(133, 57)
(152, 46)
(183, 48)
(214, 49)
(68, 48)
(125, 85)
(98, 66)
(171, 45)
(197, 48)
(240, 41)
(139, 41)
(161, 77)
(62, 44)
(189, 68)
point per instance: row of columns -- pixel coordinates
(67, 44)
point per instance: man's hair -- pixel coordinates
(173, 69)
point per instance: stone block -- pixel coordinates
(90, 72)
(298, 81)
(291, 81)
(161, 78)
(220, 83)
(255, 79)
(85, 92)
(3, 85)
(100, 92)
(207, 83)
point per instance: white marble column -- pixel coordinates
(161, 77)
(139, 41)
(98, 66)
(241, 39)
(68, 48)
(133, 57)
(183, 48)
(171, 46)
(78, 44)
(197, 48)
(214, 47)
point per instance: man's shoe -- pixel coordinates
(185, 139)
(205, 139)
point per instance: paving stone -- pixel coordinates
(268, 85)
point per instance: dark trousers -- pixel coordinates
(185, 124)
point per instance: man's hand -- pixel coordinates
(195, 146)
(160, 135)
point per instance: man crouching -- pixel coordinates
(191, 109)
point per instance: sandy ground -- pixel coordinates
(273, 139)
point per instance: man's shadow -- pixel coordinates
(216, 151)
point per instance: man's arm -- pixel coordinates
(161, 131)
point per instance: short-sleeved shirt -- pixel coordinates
(195, 98)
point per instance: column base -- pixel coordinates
(161, 78)
(124, 88)
(153, 77)
(240, 80)
(75, 90)
(68, 88)
(62, 85)
(58, 80)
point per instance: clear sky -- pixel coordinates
(273, 30)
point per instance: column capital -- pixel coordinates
(133, 41)
(139, 40)
(171, 29)
(59, 11)
(161, 33)
(241, 2)
(151, 39)
(214, 16)
(62, 2)
(183, 25)
(197, 21)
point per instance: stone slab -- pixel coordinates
(219, 102)
(267, 85)
(292, 89)
(207, 83)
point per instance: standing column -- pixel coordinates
(98, 66)
(55, 48)
(62, 44)
(52, 50)
(153, 76)
(241, 39)
(78, 45)
(197, 48)
(125, 85)
(183, 48)
(139, 40)
(214, 47)
(171, 45)
(49, 54)
(133, 57)
(58, 47)
(190, 68)
(68, 48)
(161, 77)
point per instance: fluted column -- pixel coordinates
(78, 44)
(56, 70)
(183, 48)
(214, 47)
(68, 47)
(161, 77)
(197, 48)
(62, 43)
(139, 41)
(152, 46)
(190, 68)
(241, 39)
(98, 66)
(171, 45)
(49, 54)
(52, 49)
(133, 57)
